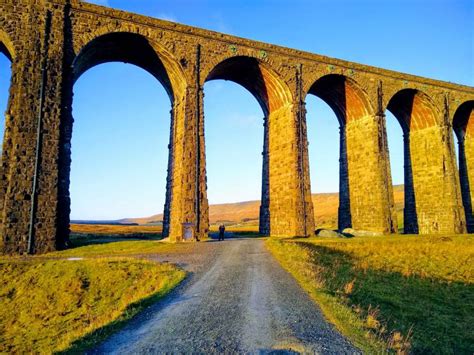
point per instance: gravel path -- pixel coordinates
(238, 299)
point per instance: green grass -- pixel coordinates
(92, 248)
(46, 306)
(52, 304)
(399, 293)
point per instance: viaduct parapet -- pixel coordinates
(51, 43)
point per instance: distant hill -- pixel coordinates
(325, 211)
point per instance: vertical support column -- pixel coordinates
(34, 208)
(344, 209)
(381, 122)
(201, 202)
(466, 175)
(367, 157)
(291, 211)
(264, 220)
(169, 178)
(188, 200)
(468, 151)
(410, 220)
(303, 158)
(435, 179)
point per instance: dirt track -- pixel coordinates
(238, 299)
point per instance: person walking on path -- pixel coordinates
(221, 232)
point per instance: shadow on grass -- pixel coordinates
(93, 339)
(438, 314)
(78, 240)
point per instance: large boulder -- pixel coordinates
(328, 233)
(359, 233)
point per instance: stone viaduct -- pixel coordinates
(51, 43)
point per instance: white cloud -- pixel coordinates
(219, 24)
(167, 17)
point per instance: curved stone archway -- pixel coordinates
(364, 199)
(463, 124)
(45, 37)
(431, 196)
(6, 46)
(286, 207)
(140, 51)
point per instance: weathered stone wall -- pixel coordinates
(469, 181)
(433, 201)
(69, 37)
(463, 125)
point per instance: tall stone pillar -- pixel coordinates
(370, 204)
(344, 210)
(436, 187)
(291, 208)
(264, 220)
(466, 177)
(304, 173)
(410, 222)
(188, 202)
(32, 179)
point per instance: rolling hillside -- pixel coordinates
(325, 211)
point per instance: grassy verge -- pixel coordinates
(86, 234)
(115, 229)
(405, 293)
(121, 248)
(47, 305)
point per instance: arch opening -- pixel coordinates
(260, 81)
(349, 103)
(135, 122)
(5, 83)
(463, 126)
(414, 112)
(272, 95)
(395, 142)
(134, 49)
(323, 150)
(6, 46)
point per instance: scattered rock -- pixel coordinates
(359, 233)
(328, 233)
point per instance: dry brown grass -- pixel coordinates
(109, 229)
(243, 216)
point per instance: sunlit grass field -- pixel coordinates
(72, 299)
(115, 229)
(402, 293)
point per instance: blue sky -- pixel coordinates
(120, 138)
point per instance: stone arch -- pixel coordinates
(432, 201)
(135, 49)
(347, 99)
(6, 46)
(281, 181)
(463, 120)
(363, 199)
(463, 125)
(105, 46)
(256, 76)
(413, 109)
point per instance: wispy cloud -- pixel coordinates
(167, 17)
(219, 24)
